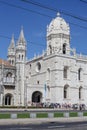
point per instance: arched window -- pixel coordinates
(22, 57)
(9, 74)
(38, 67)
(36, 96)
(19, 57)
(9, 77)
(8, 99)
(80, 92)
(12, 62)
(30, 66)
(79, 73)
(66, 91)
(50, 48)
(48, 74)
(65, 72)
(64, 48)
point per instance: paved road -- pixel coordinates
(48, 126)
(41, 120)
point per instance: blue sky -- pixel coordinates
(12, 18)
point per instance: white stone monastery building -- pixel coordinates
(59, 75)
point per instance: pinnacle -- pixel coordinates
(58, 14)
(21, 37)
(12, 44)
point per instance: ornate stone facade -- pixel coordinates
(59, 75)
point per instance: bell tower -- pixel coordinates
(20, 67)
(58, 36)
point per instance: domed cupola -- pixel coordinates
(58, 25)
(58, 35)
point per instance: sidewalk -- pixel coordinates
(41, 120)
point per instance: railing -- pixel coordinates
(80, 56)
(47, 114)
(9, 81)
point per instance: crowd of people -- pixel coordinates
(60, 106)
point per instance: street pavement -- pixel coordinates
(41, 120)
(37, 120)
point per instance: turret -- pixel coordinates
(20, 68)
(11, 51)
(58, 36)
(21, 48)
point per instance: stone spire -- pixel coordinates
(21, 39)
(12, 43)
(11, 51)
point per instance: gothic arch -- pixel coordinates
(38, 67)
(8, 99)
(80, 92)
(22, 56)
(66, 91)
(79, 73)
(12, 62)
(36, 96)
(64, 48)
(9, 77)
(50, 48)
(8, 74)
(19, 56)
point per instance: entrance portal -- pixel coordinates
(8, 98)
(36, 97)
